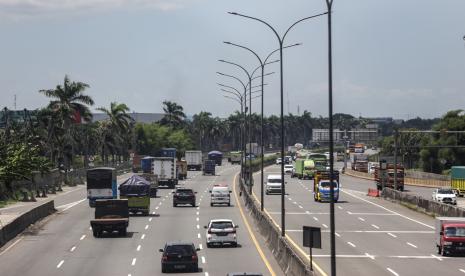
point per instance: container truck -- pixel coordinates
(321, 163)
(321, 186)
(209, 167)
(101, 184)
(146, 164)
(165, 169)
(386, 177)
(359, 162)
(181, 167)
(457, 177)
(110, 215)
(167, 152)
(193, 159)
(216, 156)
(450, 235)
(304, 169)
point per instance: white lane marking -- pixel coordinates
(11, 246)
(295, 202)
(351, 244)
(143, 237)
(197, 219)
(199, 236)
(315, 218)
(370, 231)
(300, 206)
(197, 213)
(203, 259)
(133, 262)
(153, 213)
(198, 226)
(370, 256)
(70, 205)
(198, 208)
(156, 208)
(90, 228)
(72, 249)
(340, 208)
(289, 198)
(163, 199)
(325, 226)
(462, 270)
(206, 273)
(138, 247)
(337, 234)
(60, 263)
(146, 227)
(392, 271)
(362, 219)
(375, 226)
(82, 237)
(200, 246)
(150, 219)
(384, 208)
(159, 203)
(436, 257)
(412, 245)
(392, 235)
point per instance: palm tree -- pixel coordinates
(68, 103)
(174, 114)
(115, 129)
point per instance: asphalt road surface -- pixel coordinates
(374, 236)
(64, 245)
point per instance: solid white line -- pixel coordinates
(60, 263)
(392, 271)
(11, 246)
(143, 236)
(351, 244)
(146, 227)
(384, 208)
(138, 248)
(362, 219)
(82, 237)
(325, 226)
(199, 236)
(392, 235)
(72, 248)
(462, 270)
(412, 245)
(203, 259)
(133, 262)
(375, 226)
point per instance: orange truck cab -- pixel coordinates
(450, 235)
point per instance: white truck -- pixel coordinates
(194, 160)
(165, 169)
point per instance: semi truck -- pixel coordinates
(450, 235)
(304, 169)
(181, 167)
(457, 177)
(165, 169)
(385, 177)
(110, 215)
(101, 184)
(136, 190)
(193, 159)
(322, 186)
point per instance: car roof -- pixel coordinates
(221, 220)
(274, 176)
(178, 243)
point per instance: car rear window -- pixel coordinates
(184, 191)
(221, 225)
(181, 249)
(274, 180)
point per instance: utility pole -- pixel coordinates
(396, 136)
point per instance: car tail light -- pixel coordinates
(209, 231)
(164, 258)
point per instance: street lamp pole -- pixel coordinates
(329, 4)
(281, 42)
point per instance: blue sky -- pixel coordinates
(391, 57)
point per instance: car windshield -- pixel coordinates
(181, 249)
(445, 191)
(220, 191)
(184, 192)
(455, 231)
(221, 225)
(288, 167)
(274, 180)
(325, 184)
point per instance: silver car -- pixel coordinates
(221, 232)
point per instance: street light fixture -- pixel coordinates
(262, 66)
(281, 42)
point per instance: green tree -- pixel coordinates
(174, 114)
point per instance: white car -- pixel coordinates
(278, 161)
(220, 194)
(273, 184)
(288, 169)
(445, 195)
(221, 232)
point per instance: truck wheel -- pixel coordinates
(96, 233)
(211, 204)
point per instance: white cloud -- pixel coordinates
(29, 8)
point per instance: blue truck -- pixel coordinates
(146, 164)
(209, 167)
(216, 156)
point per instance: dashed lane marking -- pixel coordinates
(351, 244)
(200, 246)
(142, 237)
(462, 270)
(72, 249)
(325, 226)
(375, 226)
(198, 226)
(82, 237)
(370, 256)
(60, 263)
(138, 247)
(392, 271)
(133, 263)
(315, 218)
(412, 245)
(392, 235)
(337, 234)
(362, 219)
(339, 207)
(199, 236)
(150, 219)
(146, 227)
(203, 259)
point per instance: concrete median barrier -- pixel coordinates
(19, 224)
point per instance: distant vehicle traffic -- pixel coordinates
(179, 256)
(194, 160)
(273, 184)
(288, 169)
(221, 232)
(209, 167)
(389, 181)
(184, 196)
(322, 186)
(111, 215)
(165, 168)
(136, 190)
(217, 156)
(444, 195)
(450, 235)
(220, 194)
(101, 184)
(278, 160)
(235, 157)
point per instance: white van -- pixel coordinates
(220, 194)
(273, 184)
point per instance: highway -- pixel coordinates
(64, 245)
(374, 236)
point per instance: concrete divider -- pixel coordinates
(18, 225)
(423, 205)
(285, 254)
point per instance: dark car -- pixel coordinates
(179, 256)
(184, 196)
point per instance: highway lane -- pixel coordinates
(65, 245)
(374, 237)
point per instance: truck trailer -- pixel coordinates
(165, 169)
(193, 159)
(386, 177)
